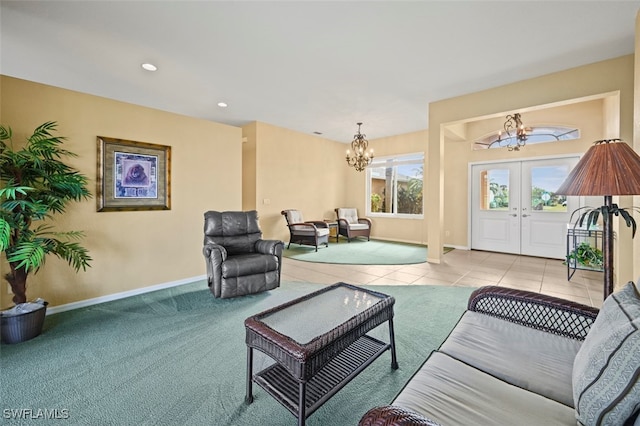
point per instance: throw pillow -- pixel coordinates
(606, 389)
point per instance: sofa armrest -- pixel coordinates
(388, 415)
(274, 247)
(318, 223)
(214, 256)
(365, 220)
(547, 313)
(343, 223)
(303, 226)
(215, 252)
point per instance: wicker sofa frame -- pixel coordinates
(547, 313)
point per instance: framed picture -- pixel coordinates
(133, 175)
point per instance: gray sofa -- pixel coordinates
(523, 358)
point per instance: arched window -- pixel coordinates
(537, 134)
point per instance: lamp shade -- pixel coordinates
(609, 167)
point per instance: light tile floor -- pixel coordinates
(469, 268)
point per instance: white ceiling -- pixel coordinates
(305, 65)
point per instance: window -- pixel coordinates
(494, 189)
(544, 182)
(394, 186)
(537, 134)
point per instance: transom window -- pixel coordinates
(394, 186)
(537, 134)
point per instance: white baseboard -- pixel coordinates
(121, 295)
(399, 240)
(457, 247)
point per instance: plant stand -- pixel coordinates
(576, 237)
(21, 327)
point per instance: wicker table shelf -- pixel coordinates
(334, 349)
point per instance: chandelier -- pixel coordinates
(361, 157)
(517, 134)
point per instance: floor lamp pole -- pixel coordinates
(607, 242)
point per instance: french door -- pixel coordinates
(514, 208)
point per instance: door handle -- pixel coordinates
(514, 215)
(526, 215)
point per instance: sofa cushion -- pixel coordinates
(523, 356)
(606, 389)
(451, 392)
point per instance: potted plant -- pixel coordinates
(586, 255)
(35, 184)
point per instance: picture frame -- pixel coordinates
(132, 175)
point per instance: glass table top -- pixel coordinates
(315, 316)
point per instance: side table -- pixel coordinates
(333, 228)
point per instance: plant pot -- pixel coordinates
(20, 327)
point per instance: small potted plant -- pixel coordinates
(586, 255)
(34, 185)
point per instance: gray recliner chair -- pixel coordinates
(239, 261)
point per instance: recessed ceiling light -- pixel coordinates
(222, 104)
(149, 67)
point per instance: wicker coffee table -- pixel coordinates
(319, 343)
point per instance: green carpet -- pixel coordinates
(360, 252)
(178, 356)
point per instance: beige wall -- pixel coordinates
(137, 249)
(249, 167)
(610, 76)
(294, 170)
(309, 173)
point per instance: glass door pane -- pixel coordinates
(545, 180)
(494, 189)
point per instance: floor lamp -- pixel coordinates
(610, 167)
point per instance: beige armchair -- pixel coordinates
(351, 226)
(313, 233)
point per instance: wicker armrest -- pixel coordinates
(303, 226)
(547, 313)
(389, 415)
(365, 220)
(318, 223)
